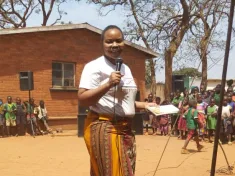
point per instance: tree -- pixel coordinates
(147, 73)
(207, 38)
(148, 76)
(192, 72)
(15, 13)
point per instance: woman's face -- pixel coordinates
(113, 43)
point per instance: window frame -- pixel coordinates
(62, 69)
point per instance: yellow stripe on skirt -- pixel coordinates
(111, 146)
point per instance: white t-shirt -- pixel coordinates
(42, 112)
(225, 112)
(96, 73)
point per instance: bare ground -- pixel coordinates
(65, 155)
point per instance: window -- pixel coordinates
(63, 74)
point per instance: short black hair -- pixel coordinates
(110, 27)
(165, 102)
(192, 103)
(212, 99)
(158, 98)
(31, 99)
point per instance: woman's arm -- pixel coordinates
(88, 97)
(143, 105)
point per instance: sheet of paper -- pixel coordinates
(164, 109)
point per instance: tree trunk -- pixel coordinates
(176, 39)
(169, 55)
(168, 72)
(204, 47)
(204, 71)
(153, 78)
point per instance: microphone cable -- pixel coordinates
(115, 122)
(118, 62)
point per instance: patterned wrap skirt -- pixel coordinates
(111, 145)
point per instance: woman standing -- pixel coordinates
(110, 94)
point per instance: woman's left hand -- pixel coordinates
(150, 105)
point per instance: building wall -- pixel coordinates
(36, 51)
(211, 83)
(160, 88)
(194, 82)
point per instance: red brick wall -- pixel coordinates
(36, 51)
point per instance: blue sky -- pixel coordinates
(82, 12)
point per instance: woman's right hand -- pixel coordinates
(114, 78)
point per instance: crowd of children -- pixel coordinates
(197, 116)
(20, 118)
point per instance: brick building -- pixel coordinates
(57, 55)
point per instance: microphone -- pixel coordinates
(118, 62)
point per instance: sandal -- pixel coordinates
(184, 151)
(42, 132)
(50, 131)
(154, 134)
(200, 147)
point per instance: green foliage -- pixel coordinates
(188, 72)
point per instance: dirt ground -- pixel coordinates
(65, 154)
